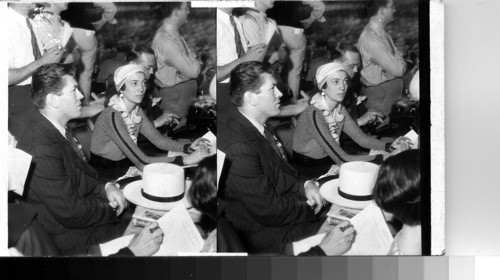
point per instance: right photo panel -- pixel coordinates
(321, 134)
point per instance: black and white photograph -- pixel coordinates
(111, 125)
(319, 114)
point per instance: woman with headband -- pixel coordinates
(318, 129)
(114, 140)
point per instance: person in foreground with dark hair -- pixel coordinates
(203, 196)
(262, 195)
(117, 128)
(397, 193)
(74, 206)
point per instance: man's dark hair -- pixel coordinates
(135, 53)
(247, 76)
(47, 79)
(168, 8)
(341, 49)
(397, 189)
(376, 5)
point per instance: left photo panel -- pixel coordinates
(111, 129)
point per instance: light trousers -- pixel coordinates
(87, 48)
(295, 41)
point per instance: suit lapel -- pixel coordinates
(255, 136)
(56, 137)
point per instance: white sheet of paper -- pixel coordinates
(221, 156)
(179, 233)
(19, 165)
(306, 244)
(115, 245)
(372, 234)
(213, 141)
(413, 136)
(210, 137)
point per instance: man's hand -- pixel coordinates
(313, 196)
(254, 52)
(116, 198)
(52, 55)
(369, 117)
(338, 240)
(147, 241)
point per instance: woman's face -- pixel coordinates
(135, 87)
(336, 86)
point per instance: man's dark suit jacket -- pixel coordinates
(66, 192)
(260, 194)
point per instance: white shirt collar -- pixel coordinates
(59, 127)
(257, 125)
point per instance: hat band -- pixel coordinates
(162, 199)
(354, 197)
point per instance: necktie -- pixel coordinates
(77, 147)
(237, 39)
(34, 44)
(275, 143)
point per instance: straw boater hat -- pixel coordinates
(353, 188)
(161, 187)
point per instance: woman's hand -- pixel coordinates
(147, 241)
(201, 144)
(194, 157)
(338, 240)
(402, 143)
(369, 117)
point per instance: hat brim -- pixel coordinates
(329, 191)
(132, 193)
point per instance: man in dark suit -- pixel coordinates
(261, 194)
(73, 205)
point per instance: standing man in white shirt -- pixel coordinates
(232, 49)
(24, 59)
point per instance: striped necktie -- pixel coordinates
(34, 44)
(275, 143)
(77, 147)
(237, 39)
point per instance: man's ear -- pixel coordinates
(250, 98)
(52, 100)
(175, 12)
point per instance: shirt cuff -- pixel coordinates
(303, 190)
(378, 159)
(178, 160)
(314, 251)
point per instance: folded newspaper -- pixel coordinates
(372, 236)
(180, 235)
